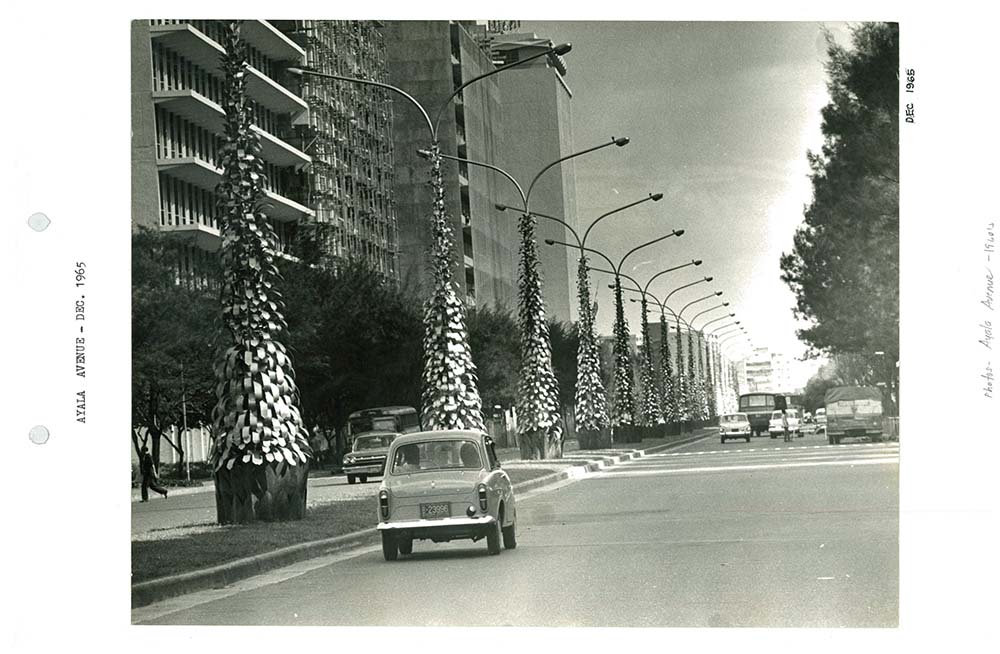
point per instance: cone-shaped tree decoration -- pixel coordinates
(649, 407)
(623, 390)
(701, 393)
(539, 426)
(682, 388)
(449, 394)
(693, 403)
(669, 402)
(261, 450)
(709, 386)
(591, 411)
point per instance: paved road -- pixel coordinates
(760, 534)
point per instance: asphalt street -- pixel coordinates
(763, 534)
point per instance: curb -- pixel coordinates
(155, 590)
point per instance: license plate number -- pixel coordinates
(437, 510)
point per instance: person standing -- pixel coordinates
(784, 426)
(149, 475)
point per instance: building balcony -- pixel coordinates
(202, 51)
(201, 111)
(271, 42)
(204, 175)
(202, 236)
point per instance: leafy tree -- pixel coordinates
(495, 343)
(261, 452)
(844, 267)
(172, 339)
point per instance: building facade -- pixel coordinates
(327, 156)
(765, 371)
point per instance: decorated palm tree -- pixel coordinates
(668, 401)
(683, 403)
(261, 451)
(538, 419)
(623, 388)
(449, 394)
(591, 411)
(649, 408)
(693, 398)
(710, 387)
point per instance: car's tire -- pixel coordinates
(493, 538)
(364, 479)
(405, 546)
(510, 535)
(748, 439)
(723, 441)
(350, 479)
(390, 549)
(774, 435)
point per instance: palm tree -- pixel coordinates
(261, 451)
(649, 409)
(591, 411)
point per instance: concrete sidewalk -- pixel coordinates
(574, 465)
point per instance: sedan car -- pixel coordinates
(442, 486)
(776, 429)
(734, 425)
(367, 456)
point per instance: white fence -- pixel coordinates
(196, 443)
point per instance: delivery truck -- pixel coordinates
(853, 412)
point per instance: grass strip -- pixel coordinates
(177, 552)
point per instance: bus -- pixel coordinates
(398, 419)
(758, 407)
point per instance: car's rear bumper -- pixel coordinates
(441, 530)
(371, 469)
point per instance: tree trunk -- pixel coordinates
(532, 444)
(273, 491)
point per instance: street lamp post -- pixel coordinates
(449, 396)
(696, 385)
(539, 421)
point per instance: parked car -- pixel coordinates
(734, 425)
(367, 456)
(442, 486)
(775, 428)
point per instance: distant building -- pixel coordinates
(766, 371)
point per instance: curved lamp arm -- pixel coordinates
(693, 262)
(655, 197)
(579, 243)
(620, 141)
(681, 288)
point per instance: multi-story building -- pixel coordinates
(489, 122)
(349, 184)
(328, 156)
(538, 130)
(766, 371)
(177, 122)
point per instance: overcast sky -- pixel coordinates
(720, 116)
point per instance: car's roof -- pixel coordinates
(438, 435)
(375, 433)
(734, 413)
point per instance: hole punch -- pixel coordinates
(39, 434)
(39, 222)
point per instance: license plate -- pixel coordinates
(437, 510)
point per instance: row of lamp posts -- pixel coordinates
(450, 398)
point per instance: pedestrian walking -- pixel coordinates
(784, 426)
(149, 475)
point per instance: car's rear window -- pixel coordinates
(734, 417)
(437, 455)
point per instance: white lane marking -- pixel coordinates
(824, 578)
(762, 466)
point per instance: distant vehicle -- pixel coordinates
(445, 485)
(758, 408)
(820, 419)
(776, 426)
(734, 425)
(367, 456)
(392, 419)
(853, 412)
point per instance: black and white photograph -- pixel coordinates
(553, 326)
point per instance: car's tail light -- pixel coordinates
(383, 503)
(482, 496)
